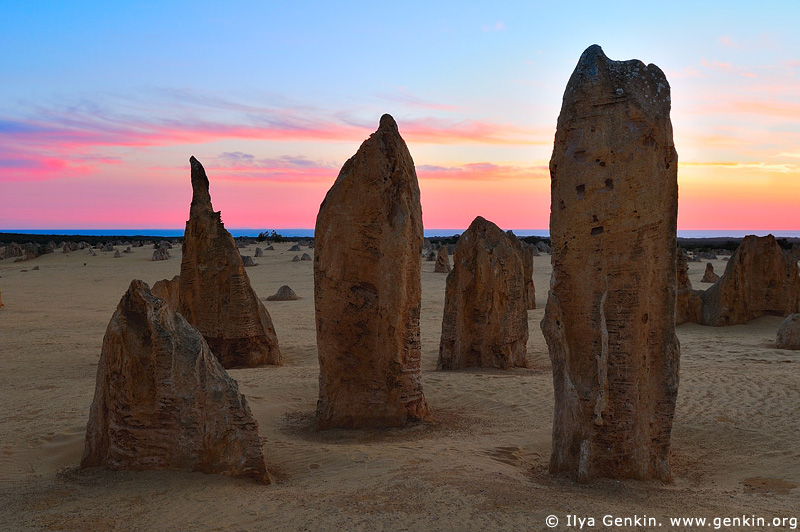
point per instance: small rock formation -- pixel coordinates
(248, 261)
(259, 252)
(431, 256)
(284, 293)
(296, 258)
(162, 400)
(543, 247)
(269, 248)
(442, 261)
(295, 248)
(688, 302)
(215, 292)
(610, 316)
(788, 333)
(305, 256)
(66, 249)
(11, 250)
(117, 254)
(760, 279)
(108, 247)
(128, 250)
(367, 289)
(709, 276)
(485, 322)
(159, 254)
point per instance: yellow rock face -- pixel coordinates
(367, 288)
(610, 316)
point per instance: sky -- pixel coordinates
(103, 103)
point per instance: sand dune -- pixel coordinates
(479, 464)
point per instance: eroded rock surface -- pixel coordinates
(527, 252)
(688, 302)
(163, 401)
(788, 333)
(485, 322)
(442, 261)
(709, 276)
(760, 279)
(284, 293)
(215, 292)
(367, 288)
(610, 316)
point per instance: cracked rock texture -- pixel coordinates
(163, 401)
(215, 292)
(485, 322)
(367, 289)
(610, 316)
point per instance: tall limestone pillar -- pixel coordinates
(367, 289)
(610, 316)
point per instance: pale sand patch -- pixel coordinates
(479, 464)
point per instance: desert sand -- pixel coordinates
(480, 463)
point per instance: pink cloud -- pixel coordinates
(482, 172)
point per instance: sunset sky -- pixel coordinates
(102, 103)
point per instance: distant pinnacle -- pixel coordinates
(200, 194)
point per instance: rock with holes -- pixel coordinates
(485, 321)
(284, 293)
(163, 401)
(709, 276)
(610, 317)
(760, 279)
(442, 261)
(215, 292)
(788, 333)
(367, 289)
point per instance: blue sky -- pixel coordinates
(101, 104)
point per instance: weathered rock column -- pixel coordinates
(163, 401)
(367, 288)
(485, 320)
(610, 316)
(215, 292)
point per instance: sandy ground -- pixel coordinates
(479, 464)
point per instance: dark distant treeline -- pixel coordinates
(697, 244)
(702, 244)
(42, 240)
